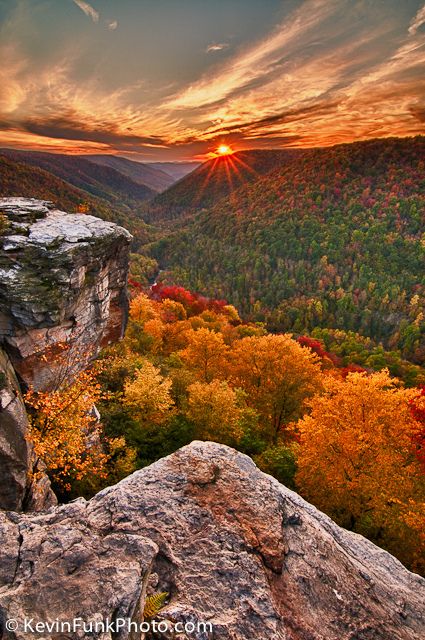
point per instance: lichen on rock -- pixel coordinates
(62, 279)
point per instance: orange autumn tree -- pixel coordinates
(175, 327)
(357, 461)
(205, 354)
(157, 328)
(64, 432)
(278, 376)
(142, 308)
(143, 311)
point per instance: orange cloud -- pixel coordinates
(313, 80)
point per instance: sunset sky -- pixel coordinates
(173, 79)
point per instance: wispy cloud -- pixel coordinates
(417, 21)
(217, 46)
(256, 62)
(315, 80)
(12, 91)
(88, 10)
(332, 71)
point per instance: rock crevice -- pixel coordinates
(17, 489)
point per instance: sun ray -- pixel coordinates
(206, 180)
(246, 166)
(228, 175)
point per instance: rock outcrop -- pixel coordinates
(14, 449)
(17, 490)
(62, 280)
(231, 546)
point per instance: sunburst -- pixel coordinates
(224, 150)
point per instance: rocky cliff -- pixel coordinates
(230, 545)
(62, 282)
(17, 490)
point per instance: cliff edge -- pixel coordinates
(63, 284)
(62, 280)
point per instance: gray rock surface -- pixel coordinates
(14, 448)
(62, 279)
(230, 544)
(17, 490)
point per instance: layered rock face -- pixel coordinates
(62, 280)
(232, 546)
(17, 490)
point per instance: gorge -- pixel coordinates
(227, 543)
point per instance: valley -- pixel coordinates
(328, 240)
(262, 284)
(324, 242)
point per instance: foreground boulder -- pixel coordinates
(62, 280)
(231, 546)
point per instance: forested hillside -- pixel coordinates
(334, 239)
(352, 442)
(100, 181)
(215, 179)
(20, 179)
(325, 257)
(139, 172)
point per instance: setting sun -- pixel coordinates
(224, 150)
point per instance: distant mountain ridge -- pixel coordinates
(139, 172)
(99, 181)
(333, 238)
(177, 170)
(19, 178)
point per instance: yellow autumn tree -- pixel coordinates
(205, 354)
(148, 395)
(278, 375)
(357, 461)
(216, 410)
(64, 431)
(142, 308)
